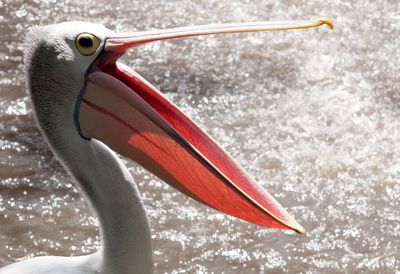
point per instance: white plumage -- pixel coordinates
(56, 72)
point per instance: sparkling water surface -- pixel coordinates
(313, 115)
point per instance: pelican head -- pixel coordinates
(57, 63)
(81, 92)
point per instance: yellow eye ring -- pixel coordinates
(87, 43)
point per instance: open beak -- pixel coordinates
(123, 110)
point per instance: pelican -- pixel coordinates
(89, 106)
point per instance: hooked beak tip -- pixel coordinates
(326, 21)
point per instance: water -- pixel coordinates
(313, 115)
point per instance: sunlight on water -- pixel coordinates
(311, 114)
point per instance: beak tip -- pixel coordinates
(296, 227)
(326, 21)
(299, 229)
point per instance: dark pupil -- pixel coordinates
(86, 42)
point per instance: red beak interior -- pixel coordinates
(124, 111)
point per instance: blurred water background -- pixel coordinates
(313, 115)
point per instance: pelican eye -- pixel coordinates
(87, 43)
